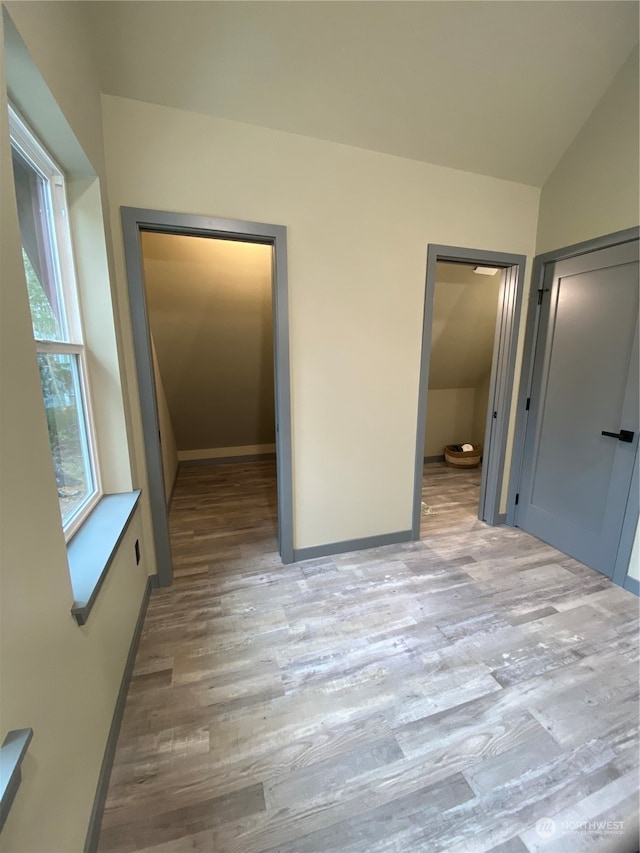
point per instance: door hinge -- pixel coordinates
(495, 415)
(540, 294)
(528, 404)
(517, 498)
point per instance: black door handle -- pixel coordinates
(623, 435)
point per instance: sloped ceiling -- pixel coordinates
(464, 321)
(497, 88)
(209, 305)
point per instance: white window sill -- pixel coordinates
(92, 548)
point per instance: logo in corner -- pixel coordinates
(546, 827)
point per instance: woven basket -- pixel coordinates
(464, 459)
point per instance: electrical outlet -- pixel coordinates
(137, 552)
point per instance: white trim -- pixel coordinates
(59, 347)
(224, 452)
(28, 144)
(66, 264)
(58, 233)
(89, 424)
(61, 252)
(76, 521)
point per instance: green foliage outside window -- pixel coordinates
(42, 316)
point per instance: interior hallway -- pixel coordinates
(443, 695)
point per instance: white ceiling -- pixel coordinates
(498, 88)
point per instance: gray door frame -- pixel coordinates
(502, 372)
(540, 264)
(135, 220)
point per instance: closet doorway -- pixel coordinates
(160, 232)
(472, 304)
(209, 305)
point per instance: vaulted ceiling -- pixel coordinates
(498, 88)
(465, 308)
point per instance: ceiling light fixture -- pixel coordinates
(486, 270)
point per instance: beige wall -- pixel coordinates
(455, 416)
(56, 677)
(594, 188)
(465, 306)
(168, 448)
(358, 226)
(593, 191)
(209, 305)
(449, 418)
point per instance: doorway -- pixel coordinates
(465, 309)
(136, 222)
(209, 306)
(577, 434)
(510, 268)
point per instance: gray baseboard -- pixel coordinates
(95, 821)
(632, 585)
(331, 548)
(439, 458)
(225, 460)
(501, 518)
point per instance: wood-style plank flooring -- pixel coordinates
(476, 691)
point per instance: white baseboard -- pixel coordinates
(224, 452)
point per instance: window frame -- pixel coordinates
(57, 226)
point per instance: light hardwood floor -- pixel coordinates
(445, 695)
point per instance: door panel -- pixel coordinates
(494, 442)
(576, 481)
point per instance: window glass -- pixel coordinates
(64, 406)
(37, 233)
(50, 278)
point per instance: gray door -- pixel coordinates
(495, 444)
(575, 480)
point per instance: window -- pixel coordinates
(57, 329)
